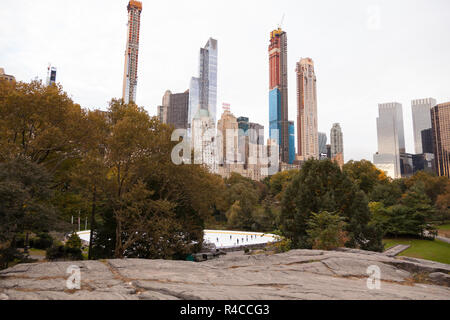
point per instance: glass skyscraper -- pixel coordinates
(391, 139)
(203, 89)
(291, 142)
(421, 113)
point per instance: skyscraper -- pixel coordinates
(322, 144)
(391, 139)
(291, 142)
(440, 122)
(51, 75)
(163, 109)
(243, 134)
(307, 127)
(278, 95)
(427, 139)
(204, 140)
(421, 120)
(256, 135)
(178, 109)
(337, 140)
(203, 89)
(132, 51)
(228, 127)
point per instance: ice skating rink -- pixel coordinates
(221, 238)
(229, 239)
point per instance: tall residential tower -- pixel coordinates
(132, 51)
(421, 120)
(278, 96)
(307, 127)
(203, 89)
(440, 121)
(337, 144)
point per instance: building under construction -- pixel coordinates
(132, 51)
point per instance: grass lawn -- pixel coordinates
(423, 249)
(444, 230)
(37, 252)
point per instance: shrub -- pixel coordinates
(43, 241)
(55, 252)
(70, 251)
(282, 245)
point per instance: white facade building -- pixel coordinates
(204, 141)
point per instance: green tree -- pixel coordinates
(279, 181)
(388, 193)
(365, 174)
(433, 185)
(326, 231)
(410, 217)
(243, 199)
(40, 123)
(25, 193)
(322, 186)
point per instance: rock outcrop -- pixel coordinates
(298, 274)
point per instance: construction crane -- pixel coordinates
(280, 26)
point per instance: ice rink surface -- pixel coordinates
(221, 238)
(230, 239)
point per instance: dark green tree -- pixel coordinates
(322, 186)
(25, 194)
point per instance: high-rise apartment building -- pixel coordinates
(278, 95)
(244, 142)
(163, 109)
(427, 139)
(241, 147)
(178, 110)
(256, 135)
(421, 120)
(6, 77)
(51, 75)
(130, 76)
(204, 141)
(203, 89)
(337, 140)
(307, 126)
(391, 139)
(322, 144)
(228, 127)
(440, 122)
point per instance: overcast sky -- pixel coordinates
(365, 53)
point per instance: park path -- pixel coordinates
(444, 239)
(396, 250)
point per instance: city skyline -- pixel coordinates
(378, 74)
